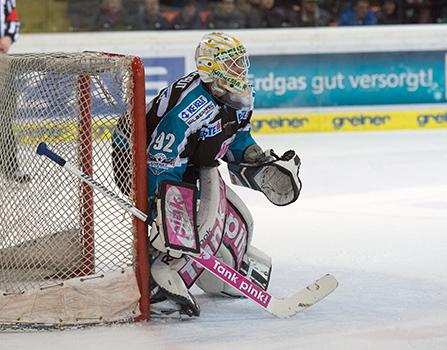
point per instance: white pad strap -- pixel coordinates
(257, 266)
(163, 272)
(171, 285)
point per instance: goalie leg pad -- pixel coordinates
(237, 252)
(237, 235)
(215, 286)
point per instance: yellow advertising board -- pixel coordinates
(349, 121)
(61, 132)
(263, 124)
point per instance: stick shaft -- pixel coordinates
(45, 151)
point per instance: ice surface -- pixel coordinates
(373, 212)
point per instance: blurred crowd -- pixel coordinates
(86, 15)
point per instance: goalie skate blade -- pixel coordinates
(305, 298)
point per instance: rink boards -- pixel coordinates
(306, 80)
(349, 121)
(273, 123)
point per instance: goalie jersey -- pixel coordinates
(187, 127)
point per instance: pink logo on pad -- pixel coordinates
(180, 216)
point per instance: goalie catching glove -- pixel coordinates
(276, 177)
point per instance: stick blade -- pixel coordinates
(305, 298)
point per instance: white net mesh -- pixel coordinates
(53, 227)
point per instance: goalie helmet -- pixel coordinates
(222, 59)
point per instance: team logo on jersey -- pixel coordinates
(211, 130)
(159, 163)
(196, 110)
(242, 114)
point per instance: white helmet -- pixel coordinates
(221, 58)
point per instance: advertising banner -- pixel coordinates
(349, 121)
(160, 72)
(371, 78)
(387, 78)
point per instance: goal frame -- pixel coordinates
(141, 186)
(138, 247)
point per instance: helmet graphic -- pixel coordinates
(221, 58)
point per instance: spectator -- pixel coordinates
(388, 13)
(439, 11)
(133, 7)
(418, 11)
(152, 18)
(226, 15)
(334, 7)
(83, 14)
(188, 17)
(266, 15)
(176, 4)
(9, 163)
(246, 5)
(9, 25)
(310, 14)
(112, 16)
(358, 14)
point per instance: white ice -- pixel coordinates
(373, 212)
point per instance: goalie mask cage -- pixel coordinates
(68, 255)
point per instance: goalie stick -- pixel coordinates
(279, 307)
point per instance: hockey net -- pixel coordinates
(68, 255)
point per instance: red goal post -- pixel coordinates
(69, 255)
